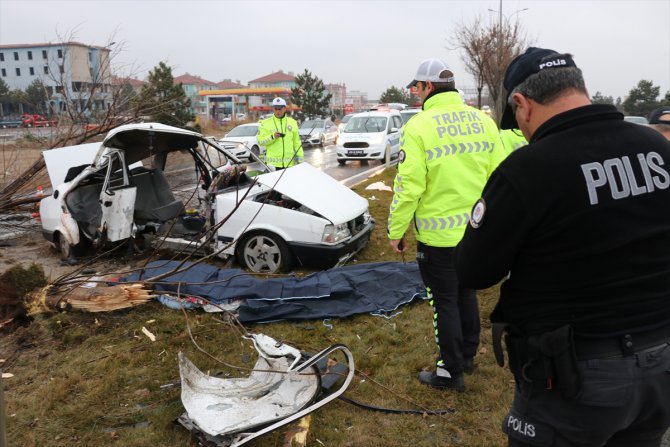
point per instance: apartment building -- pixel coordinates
(76, 75)
(192, 86)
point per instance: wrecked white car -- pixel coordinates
(157, 183)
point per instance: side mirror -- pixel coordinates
(394, 129)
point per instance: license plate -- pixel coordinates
(356, 152)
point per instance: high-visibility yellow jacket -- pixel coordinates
(447, 153)
(512, 140)
(284, 151)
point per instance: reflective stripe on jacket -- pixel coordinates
(279, 152)
(448, 151)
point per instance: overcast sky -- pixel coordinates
(367, 45)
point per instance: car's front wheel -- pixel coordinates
(255, 150)
(264, 252)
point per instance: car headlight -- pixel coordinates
(367, 217)
(335, 233)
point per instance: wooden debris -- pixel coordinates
(99, 299)
(146, 332)
(296, 435)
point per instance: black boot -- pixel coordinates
(432, 379)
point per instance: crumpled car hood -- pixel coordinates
(317, 191)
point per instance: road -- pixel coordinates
(349, 174)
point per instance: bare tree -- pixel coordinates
(488, 50)
(84, 109)
(478, 46)
(510, 40)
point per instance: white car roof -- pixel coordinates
(385, 113)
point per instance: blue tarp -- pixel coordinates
(336, 293)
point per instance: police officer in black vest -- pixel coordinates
(578, 224)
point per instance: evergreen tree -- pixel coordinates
(310, 93)
(599, 98)
(163, 100)
(4, 96)
(36, 96)
(642, 99)
(394, 94)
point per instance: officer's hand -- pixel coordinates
(278, 135)
(397, 245)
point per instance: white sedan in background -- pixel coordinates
(242, 140)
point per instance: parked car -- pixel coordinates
(406, 114)
(33, 120)
(242, 141)
(637, 120)
(317, 132)
(267, 219)
(7, 123)
(343, 122)
(370, 136)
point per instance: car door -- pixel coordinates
(331, 131)
(395, 123)
(117, 199)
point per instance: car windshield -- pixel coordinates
(366, 124)
(243, 131)
(345, 119)
(312, 124)
(636, 119)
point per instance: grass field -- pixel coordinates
(95, 379)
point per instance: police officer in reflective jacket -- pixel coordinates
(578, 224)
(279, 135)
(447, 152)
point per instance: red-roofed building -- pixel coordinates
(227, 84)
(276, 79)
(192, 86)
(136, 84)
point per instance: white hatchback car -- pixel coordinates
(370, 136)
(241, 141)
(268, 220)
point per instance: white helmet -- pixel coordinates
(278, 102)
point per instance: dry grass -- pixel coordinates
(94, 379)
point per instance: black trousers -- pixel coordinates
(625, 401)
(455, 310)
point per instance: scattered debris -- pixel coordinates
(381, 186)
(146, 332)
(231, 412)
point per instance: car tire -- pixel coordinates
(255, 150)
(264, 252)
(341, 162)
(323, 141)
(387, 154)
(69, 251)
